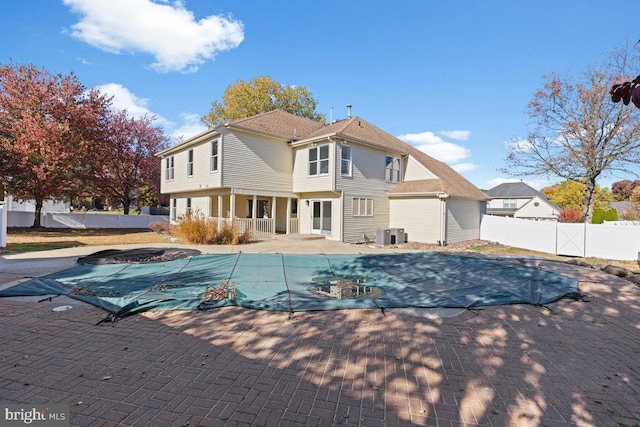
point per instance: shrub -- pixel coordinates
(632, 214)
(198, 229)
(160, 227)
(599, 215)
(570, 215)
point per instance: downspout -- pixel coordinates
(443, 219)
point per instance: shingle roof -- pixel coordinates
(514, 190)
(278, 123)
(284, 125)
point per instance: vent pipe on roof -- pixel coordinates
(349, 111)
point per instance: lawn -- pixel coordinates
(29, 240)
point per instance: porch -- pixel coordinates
(262, 214)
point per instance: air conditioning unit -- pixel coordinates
(383, 237)
(397, 236)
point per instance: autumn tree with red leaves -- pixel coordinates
(49, 125)
(578, 133)
(127, 170)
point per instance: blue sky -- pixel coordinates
(452, 77)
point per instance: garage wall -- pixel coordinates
(420, 218)
(463, 220)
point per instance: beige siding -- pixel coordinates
(367, 181)
(463, 220)
(420, 217)
(202, 177)
(415, 171)
(199, 203)
(304, 213)
(256, 163)
(304, 183)
(543, 211)
(499, 203)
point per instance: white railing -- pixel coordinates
(294, 227)
(256, 226)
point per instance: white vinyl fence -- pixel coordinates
(84, 220)
(3, 226)
(608, 241)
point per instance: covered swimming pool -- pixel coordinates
(294, 283)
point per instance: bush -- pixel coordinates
(599, 215)
(570, 215)
(198, 229)
(632, 214)
(160, 227)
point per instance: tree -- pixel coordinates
(127, 170)
(49, 125)
(578, 133)
(571, 194)
(261, 95)
(622, 189)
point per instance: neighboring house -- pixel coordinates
(622, 207)
(30, 205)
(518, 200)
(277, 172)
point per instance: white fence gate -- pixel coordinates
(570, 239)
(608, 241)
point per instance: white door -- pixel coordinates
(321, 217)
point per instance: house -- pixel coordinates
(519, 200)
(277, 172)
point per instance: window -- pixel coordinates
(319, 160)
(168, 171)
(509, 204)
(362, 206)
(174, 209)
(346, 164)
(392, 169)
(213, 162)
(188, 210)
(190, 163)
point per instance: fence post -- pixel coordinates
(3, 226)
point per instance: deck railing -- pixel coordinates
(256, 225)
(294, 227)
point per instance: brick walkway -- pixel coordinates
(500, 366)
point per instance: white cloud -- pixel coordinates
(168, 32)
(191, 126)
(464, 167)
(436, 147)
(460, 135)
(124, 99)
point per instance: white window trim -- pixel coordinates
(318, 160)
(356, 203)
(189, 208)
(169, 172)
(190, 163)
(396, 174)
(350, 160)
(215, 157)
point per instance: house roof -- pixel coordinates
(278, 123)
(514, 190)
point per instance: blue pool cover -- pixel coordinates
(304, 282)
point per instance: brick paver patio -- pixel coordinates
(576, 364)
